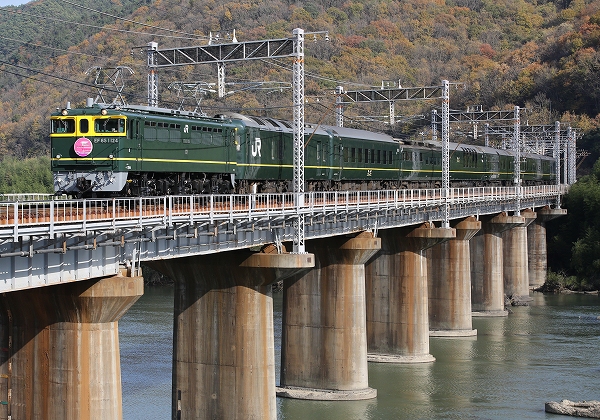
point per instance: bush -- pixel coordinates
(31, 175)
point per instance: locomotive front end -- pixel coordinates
(86, 145)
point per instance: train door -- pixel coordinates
(280, 153)
(254, 153)
(134, 138)
(336, 161)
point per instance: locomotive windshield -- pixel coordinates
(63, 125)
(109, 125)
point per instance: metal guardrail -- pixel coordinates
(47, 217)
(30, 197)
(55, 241)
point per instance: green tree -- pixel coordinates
(574, 243)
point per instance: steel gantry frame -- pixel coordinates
(391, 95)
(114, 75)
(516, 146)
(548, 140)
(191, 90)
(242, 51)
(298, 89)
(446, 150)
(152, 75)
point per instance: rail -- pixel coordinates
(49, 217)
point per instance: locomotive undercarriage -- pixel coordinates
(159, 183)
(184, 183)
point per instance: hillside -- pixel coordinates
(540, 55)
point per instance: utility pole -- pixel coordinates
(298, 87)
(222, 53)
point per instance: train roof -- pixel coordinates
(287, 126)
(476, 148)
(309, 128)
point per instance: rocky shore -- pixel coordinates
(588, 409)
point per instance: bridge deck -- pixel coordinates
(44, 242)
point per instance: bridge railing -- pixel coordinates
(10, 197)
(115, 212)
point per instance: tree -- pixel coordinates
(574, 243)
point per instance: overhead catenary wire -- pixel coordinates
(39, 80)
(194, 36)
(106, 28)
(273, 62)
(32, 44)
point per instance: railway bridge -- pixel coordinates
(382, 273)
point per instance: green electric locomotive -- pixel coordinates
(101, 150)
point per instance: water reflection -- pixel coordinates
(547, 351)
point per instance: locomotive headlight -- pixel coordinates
(104, 111)
(110, 156)
(64, 111)
(58, 156)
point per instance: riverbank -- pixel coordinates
(555, 289)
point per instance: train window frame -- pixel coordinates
(346, 154)
(390, 157)
(112, 125)
(63, 125)
(84, 122)
(318, 151)
(360, 154)
(353, 154)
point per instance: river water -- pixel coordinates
(547, 351)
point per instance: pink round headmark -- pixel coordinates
(83, 146)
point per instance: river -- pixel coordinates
(547, 351)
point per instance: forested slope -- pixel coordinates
(540, 55)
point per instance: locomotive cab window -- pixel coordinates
(63, 125)
(109, 125)
(84, 125)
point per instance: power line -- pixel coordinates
(278, 63)
(37, 80)
(46, 74)
(135, 22)
(30, 44)
(104, 28)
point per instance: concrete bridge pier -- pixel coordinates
(537, 247)
(324, 345)
(449, 285)
(223, 350)
(516, 271)
(63, 349)
(487, 265)
(397, 303)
